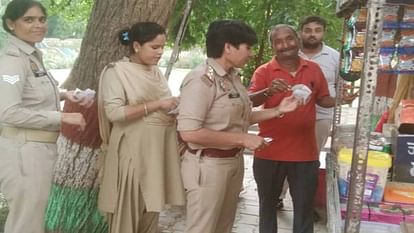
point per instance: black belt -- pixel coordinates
(216, 153)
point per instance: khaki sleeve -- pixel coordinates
(13, 79)
(196, 98)
(113, 94)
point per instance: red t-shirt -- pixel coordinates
(294, 134)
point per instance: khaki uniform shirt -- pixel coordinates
(214, 99)
(29, 95)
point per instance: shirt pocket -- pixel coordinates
(227, 114)
(38, 90)
(236, 111)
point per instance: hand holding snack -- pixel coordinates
(83, 97)
(301, 93)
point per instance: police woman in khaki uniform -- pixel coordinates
(214, 115)
(30, 118)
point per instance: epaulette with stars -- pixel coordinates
(208, 77)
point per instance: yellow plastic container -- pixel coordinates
(376, 175)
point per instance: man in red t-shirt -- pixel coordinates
(293, 153)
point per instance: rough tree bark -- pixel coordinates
(99, 47)
(100, 44)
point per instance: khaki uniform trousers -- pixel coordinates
(212, 187)
(26, 170)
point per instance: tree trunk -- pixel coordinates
(264, 37)
(180, 35)
(99, 47)
(100, 44)
(79, 152)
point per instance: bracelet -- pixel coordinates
(145, 109)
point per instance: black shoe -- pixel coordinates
(279, 204)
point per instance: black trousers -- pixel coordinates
(303, 180)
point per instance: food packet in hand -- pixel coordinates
(301, 93)
(84, 95)
(173, 111)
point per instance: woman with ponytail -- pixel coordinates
(141, 168)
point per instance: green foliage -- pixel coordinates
(3, 215)
(326, 9)
(3, 34)
(3, 212)
(261, 15)
(61, 28)
(68, 18)
(70, 10)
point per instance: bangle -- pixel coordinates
(145, 109)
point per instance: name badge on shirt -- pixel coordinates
(36, 71)
(39, 74)
(234, 95)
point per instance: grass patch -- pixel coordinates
(3, 212)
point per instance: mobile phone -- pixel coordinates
(268, 140)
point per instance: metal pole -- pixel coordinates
(332, 193)
(179, 38)
(363, 124)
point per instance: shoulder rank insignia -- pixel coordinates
(210, 73)
(12, 79)
(209, 76)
